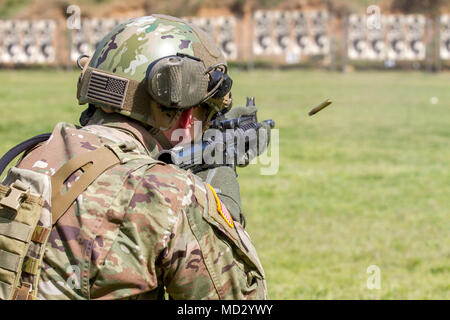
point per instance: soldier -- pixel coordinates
(143, 228)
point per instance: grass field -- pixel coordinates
(364, 182)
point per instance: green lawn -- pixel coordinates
(364, 182)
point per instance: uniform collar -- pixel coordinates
(127, 125)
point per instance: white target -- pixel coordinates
(225, 36)
(262, 43)
(300, 30)
(445, 37)
(319, 44)
(281, 31)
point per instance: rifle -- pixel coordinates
(234, 141)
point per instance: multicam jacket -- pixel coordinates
(140, 232)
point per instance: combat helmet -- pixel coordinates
(159, 59)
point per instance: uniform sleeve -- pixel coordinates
(205, 257)
(224, 181)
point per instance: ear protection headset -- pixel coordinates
(182, 81)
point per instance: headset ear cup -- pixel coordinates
(179, 82)
(225, 86)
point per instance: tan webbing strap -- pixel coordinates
(101, 159)
(24, 292)
(31, 265)
(9, 261)
(14, 229)
(5, 290)
(40, 234)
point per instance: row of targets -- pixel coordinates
(273, 33)
(27, 41)
(290, 32)
(396, 37)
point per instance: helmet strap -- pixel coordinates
(161, 138)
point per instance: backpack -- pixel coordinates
(31, 203)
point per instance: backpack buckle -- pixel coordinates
(13, 199)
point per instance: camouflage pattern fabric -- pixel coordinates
(138, 232)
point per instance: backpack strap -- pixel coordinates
(92, 164)
(21, 147)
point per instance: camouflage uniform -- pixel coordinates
(136, 233)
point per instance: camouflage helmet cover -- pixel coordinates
(130, 48)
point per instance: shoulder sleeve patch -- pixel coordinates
(222, 209)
